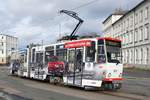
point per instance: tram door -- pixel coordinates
(75, 59)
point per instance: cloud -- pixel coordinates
(36, 20)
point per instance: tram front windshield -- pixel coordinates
(113, 50)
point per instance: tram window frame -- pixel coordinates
(73, 60)
(90, 52)
(61, 52)
(50, 51)
(33, 55)
(39, 55)
(112, 55)
(79, 59)
(71, 55)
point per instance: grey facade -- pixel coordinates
(133, 28)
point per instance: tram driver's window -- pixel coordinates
(90, 53)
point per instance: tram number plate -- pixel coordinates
(93, 82)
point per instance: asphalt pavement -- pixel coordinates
(16, 88)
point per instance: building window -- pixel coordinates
(124, 25)
(136, 35)
(146, 33)
(136, 18)
(141, 34)
(146, 12)
(121, 26)
(2, 51)
(127, 23)
(131, 22)
(2, 60)
(141, 16)
(141, 58)
(127, 57)
(136, 56)
(131, 56)
(131, 36)
(147, 56)
(127, 40)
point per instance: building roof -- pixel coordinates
(131, 10)
(8, 35)
(126, 12)
(117, 12)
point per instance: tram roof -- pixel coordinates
(109, 39)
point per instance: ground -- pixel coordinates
(136, 86)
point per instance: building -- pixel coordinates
(8, 48)
(133, 28)
(108, 22)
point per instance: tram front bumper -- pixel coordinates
(91, 83)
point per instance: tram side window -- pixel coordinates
(39, 57)
(62, 53)
(90, 53)
(48, 55)
(33, 55)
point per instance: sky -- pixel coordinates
(35, 20)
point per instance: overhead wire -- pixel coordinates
(78, 7)
(84, 5)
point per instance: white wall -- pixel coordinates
(134, 31)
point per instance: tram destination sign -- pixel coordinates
(113, 43)
(78, 44)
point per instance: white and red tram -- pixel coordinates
(93, 62)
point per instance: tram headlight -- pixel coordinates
(109, 75)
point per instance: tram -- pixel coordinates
(93, 62)
(90, 62)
